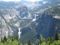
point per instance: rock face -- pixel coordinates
(23, 11)
(27, 35)
(45, 26)
(7, 22)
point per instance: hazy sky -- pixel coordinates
(21, 0)
(10, 0)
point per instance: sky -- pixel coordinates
(21, 0)
(10, 0)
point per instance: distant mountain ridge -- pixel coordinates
(4, 5)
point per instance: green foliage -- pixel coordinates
(50, 41)
(43, 41)
(9, 42)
